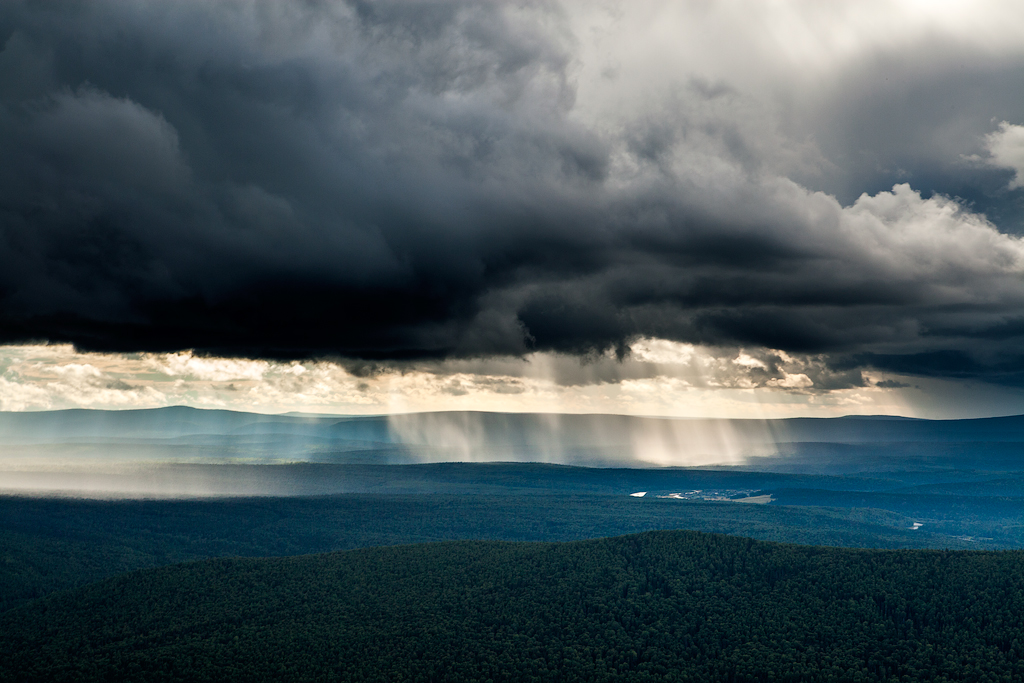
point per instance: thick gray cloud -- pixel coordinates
(402, 180)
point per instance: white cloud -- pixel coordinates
(795, 381)
(693, 381)
(748, 361)
(190, 366)
(931, 240)
(1006, 150)
(663, 351)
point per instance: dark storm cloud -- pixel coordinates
(402, 180)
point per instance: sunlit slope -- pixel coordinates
(658, 606)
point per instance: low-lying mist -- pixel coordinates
(189, 452)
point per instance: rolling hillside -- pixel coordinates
(659, 606)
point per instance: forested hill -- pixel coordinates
(659, 606)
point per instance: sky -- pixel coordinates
(736, 209)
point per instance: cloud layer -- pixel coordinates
(657, 378)
(426, 180)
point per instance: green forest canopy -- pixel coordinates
(658, 606)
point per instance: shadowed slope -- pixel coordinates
(53, 544)
(685, 605)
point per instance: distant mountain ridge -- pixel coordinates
(179, 421)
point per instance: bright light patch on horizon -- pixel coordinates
(658, 378)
